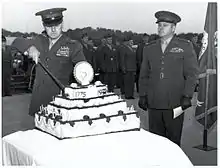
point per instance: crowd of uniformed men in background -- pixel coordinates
(116, 65)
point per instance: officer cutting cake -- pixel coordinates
(57, 52)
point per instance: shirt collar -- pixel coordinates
(52, 42)
(167, 41)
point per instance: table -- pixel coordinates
(139, 149)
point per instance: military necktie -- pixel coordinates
(164, 45)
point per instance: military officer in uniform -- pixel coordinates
(99, 59)
(128, 67)
(6, 68)
(88, 51)
(110, 66)
(57, 52)
(139, 57)
(167, 78)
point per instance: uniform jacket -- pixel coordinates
(127, 59)
(139, 55)
(166, 77)
(7, 61)
(89, 54)
(99, 59)
(110, 59)
(60, 60)
(118, 50)
(197, 49)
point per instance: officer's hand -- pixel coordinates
(34, 53)
(185, 102)
(142, 103)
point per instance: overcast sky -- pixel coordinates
(135, 16)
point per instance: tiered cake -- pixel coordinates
(86, 110)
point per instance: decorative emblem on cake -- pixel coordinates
(83, 72)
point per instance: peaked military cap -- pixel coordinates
(51, 17)
(166, 16)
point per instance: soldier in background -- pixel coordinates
(88, 50)
(6, 68)
(119, 81)
(196, 46)
(99, 59)
(139, 57)
(110, 65)
(128, 67)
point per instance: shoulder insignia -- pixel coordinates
(72, 41)
(184, 40)
(152, 42)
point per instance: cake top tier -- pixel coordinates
(76, 91)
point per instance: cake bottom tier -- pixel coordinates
(86, 128)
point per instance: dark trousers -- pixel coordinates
(161, 122)
(118, 80)
(110, 80)
(137, 80)
(122, 87)
(129, 80)
(6, 84)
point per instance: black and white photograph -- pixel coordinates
(124, 84)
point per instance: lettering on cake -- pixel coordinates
(80, 94)
(102, 91)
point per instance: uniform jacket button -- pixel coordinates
(161, 75)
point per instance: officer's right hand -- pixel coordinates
(185, 102)
(34, 53)
(142, 103)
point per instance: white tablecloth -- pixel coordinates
(139, 149)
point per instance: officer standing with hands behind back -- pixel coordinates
(167, 78)
(57, 52)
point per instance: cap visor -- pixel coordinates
(168, 21)
(52, 23)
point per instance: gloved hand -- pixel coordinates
(185, 102)
(142, 103)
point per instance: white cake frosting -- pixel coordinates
(84, 129)
(75, 91)
(87, 110)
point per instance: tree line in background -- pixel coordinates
(97, 34)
